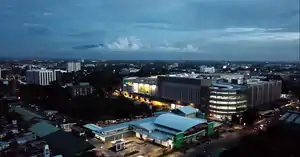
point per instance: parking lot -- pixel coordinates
(134, 147)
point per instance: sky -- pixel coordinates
(151, 29)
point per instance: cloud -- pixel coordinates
(255, 34)
(126, 43)
(86, 47)
(133, 43)
(188, 26)
(38, 29)
(47, 13)
(245, 30)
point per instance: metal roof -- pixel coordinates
(92, 127)
(66, 143)
(187, 109)
(26, 114)
(291, 116)
(297, 120)
(176, 122)
(43, 129)
(148, 126)
(126, 124)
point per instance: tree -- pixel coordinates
(250, 116)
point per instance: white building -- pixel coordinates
(206, 69)
(40, 77)
(73, 66)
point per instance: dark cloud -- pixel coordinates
(38, 29)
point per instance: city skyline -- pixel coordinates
(140, 29)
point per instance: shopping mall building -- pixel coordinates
(200, 91)
(170, 129)
(218, 95)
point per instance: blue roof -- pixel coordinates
(177, 122)
(148, 126)
(126, 124)
(92, 127)
(187, 109)
(3, 143)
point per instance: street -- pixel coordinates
(226, 141)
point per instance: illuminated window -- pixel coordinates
(224, 112)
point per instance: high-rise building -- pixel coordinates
(73, 66)
(41, 77)
(263, 92)
(226, 99)
(184, 89)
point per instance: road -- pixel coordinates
(228, 141)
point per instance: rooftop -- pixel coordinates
(66, 144)
(92, 127)
(42, 129)
(26, 114)
(198, 75)
(187, 109)
(177, 122)
(291, 117)
(226, 86)
(126, 124)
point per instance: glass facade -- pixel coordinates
(223, 102)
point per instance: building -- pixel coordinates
(40, 77)
(206, 69)
(73, 66)
(184, 89)
(81, 89)
(291, 117)
(126, 71)
(225, 77)
(58, 74)
(12, 85)
(226, 99)
(170, 129)
(60, 142)
(263, 92)
(141, 85)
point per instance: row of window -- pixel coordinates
(225, 97)
(224, 112)
(227, 107)
(215, 92)
(227, 102)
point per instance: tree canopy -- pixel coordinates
(92, 107)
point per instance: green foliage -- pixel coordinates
(93, 107)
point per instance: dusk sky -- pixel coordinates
(154, 29)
